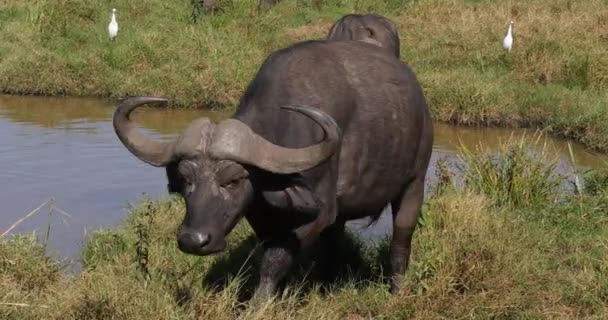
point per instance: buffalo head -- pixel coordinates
(210, 164)
(371, 28)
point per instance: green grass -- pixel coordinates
(556, 76)
(479, 253)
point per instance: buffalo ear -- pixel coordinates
(175, 182)
(294, 197)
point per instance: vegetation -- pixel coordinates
(475, 256)
(508, 243)
(512, 177)
(556, 76)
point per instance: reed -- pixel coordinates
(50, 203)
(18, 222)
(521, 174)
(596, 181)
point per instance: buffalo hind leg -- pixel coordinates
(406, 211)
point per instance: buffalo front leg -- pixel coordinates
(279, 255)
(406, 211)
(276, 262)
(329, 245)
(280, 252)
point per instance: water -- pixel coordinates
(66, 148)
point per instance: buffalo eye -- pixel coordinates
(369, 31)
(231, 175)
(231, 183)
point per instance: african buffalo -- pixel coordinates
(327, 131)
(372, 28)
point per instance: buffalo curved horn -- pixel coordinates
(152, 152)
(234, 140)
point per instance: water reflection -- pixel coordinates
(448, 138)
(67, 148)
(80, 113)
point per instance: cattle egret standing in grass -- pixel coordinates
(113, 27)
(507, 43)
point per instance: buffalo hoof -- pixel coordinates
(261, 296)
(396, 283)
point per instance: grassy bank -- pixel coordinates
(556, 77)
(480, 253)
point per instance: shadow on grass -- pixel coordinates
(240, 262)
(353, 262)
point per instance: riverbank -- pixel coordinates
(555, 78)
(507, 244)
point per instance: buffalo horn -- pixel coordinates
(152, 152)
(234, 140)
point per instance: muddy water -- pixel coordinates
(66, 148)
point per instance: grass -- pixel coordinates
(511, 176)
(475, 256)
(555, 78)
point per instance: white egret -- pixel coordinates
(113, 26)
(507, 43)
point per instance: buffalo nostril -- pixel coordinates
(202, 239)
(193, 241)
